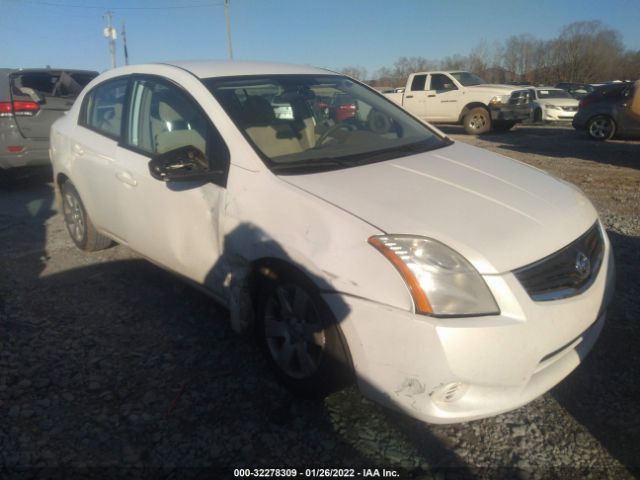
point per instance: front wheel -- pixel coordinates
(601, 128)
(301, 337)
(477, 121)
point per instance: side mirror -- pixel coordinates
(183, 164)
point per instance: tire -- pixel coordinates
(503, 126)
(79, 225)
(300, 336)
(477, 121)
(601, 127)
(537, 116)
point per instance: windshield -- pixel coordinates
(300, 123)
(553, 94)
(467, 79)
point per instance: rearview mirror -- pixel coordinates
(183, 164)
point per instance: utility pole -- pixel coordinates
(226, 14)
(110, 34)
(124, 42)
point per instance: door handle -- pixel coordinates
(408, 96)
(77, 149)
(126, 177)
(430, 95)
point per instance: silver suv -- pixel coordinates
(30, 101)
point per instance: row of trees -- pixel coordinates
(582, 52)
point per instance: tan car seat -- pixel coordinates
(173, 131)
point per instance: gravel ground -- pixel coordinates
(111, 367)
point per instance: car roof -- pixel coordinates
(229, 68)
(45, 70)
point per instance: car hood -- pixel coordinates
(499, 213)
(562, 102)
(490, 87)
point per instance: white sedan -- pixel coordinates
(552, 104)
(450, 282)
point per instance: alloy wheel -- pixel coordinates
(600, 128)
(74, 217)
(293, 330)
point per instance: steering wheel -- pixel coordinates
(334, 128)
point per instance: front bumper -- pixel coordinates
(510, 113)
(461, 369)
(556, 115)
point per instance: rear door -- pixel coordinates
(94, 150)
(414, 98)
(54, 91)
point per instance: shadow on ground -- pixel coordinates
(603, 394)
(120, 365)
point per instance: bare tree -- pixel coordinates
(582, 52)
(357, 72)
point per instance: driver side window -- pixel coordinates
(162, 118)
(442, 83)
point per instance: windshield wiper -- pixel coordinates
(315, 165)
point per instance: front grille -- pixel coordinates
(570, 109)
(519, 97)
(567, 272)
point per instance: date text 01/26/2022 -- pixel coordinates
(315, 472)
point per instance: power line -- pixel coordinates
(171, 7)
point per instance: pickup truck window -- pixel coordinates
(467, 79)
(418, 83)
(441, 82)
(303, 123)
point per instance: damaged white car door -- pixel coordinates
(175, 224)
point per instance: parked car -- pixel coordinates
(552, 104)
(576, 90)
(343, 107)
(30, 101)
(465, 98)
(611, 110)
(453, 283)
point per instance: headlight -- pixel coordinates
(500, 99)
(548, 105)
(441, 281)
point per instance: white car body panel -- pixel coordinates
(479, 193)
(498, 213)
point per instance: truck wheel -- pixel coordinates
(503, 126)
(300, 336)
(477, 121)
(79, 225)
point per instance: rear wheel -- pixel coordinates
(78, 223)
(301, 337)
(477, 121)
(601, 127)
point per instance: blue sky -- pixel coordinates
(329, 33)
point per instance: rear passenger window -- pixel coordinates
(102, 110)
